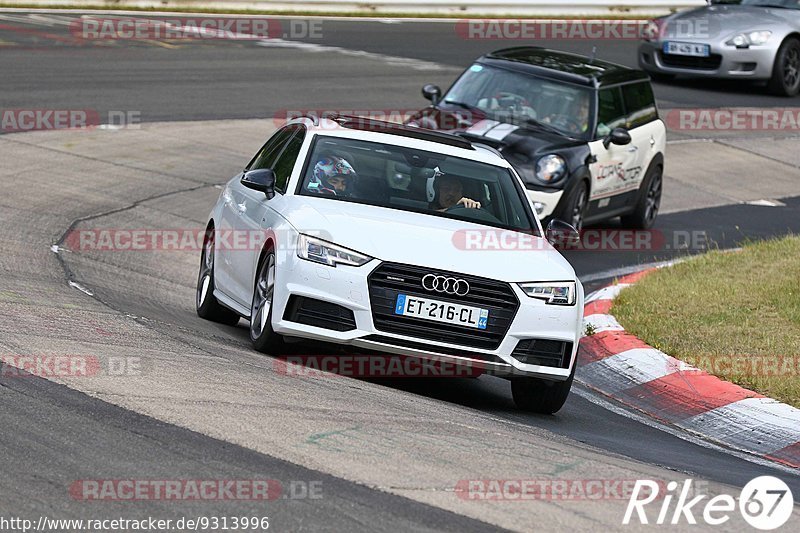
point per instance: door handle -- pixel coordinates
(633, 149)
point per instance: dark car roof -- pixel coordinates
(563, 66)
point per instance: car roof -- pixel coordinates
(562, 66)
(368, 129)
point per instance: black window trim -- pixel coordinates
(299, 128)
(526, 206)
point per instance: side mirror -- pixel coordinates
(562, 235)
(262, 180)
(619, 136)
(432, 92)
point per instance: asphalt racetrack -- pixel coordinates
(350, 454)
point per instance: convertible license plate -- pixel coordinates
(677, 48)
(462, 315)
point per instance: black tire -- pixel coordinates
(574, 209)
(646, 211)
(540, 395)
(262, 335)
(206, 304)
(785, 79)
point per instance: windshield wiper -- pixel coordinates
(463, 105)
(532, 122)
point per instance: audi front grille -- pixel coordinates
(390, 279)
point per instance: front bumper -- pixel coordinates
(545, 202)
(725, 61)
(348, 287)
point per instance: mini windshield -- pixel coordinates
(518, 98)
(412, 180)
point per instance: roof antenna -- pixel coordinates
(594, 53)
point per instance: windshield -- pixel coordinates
(403, 178)
(788, 4)
(516, 97)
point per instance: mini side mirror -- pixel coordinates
(432, 92)
(562, 235)
(619, 136)
(262, 179)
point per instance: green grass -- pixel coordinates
(735, 314)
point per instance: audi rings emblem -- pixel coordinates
(446, 285)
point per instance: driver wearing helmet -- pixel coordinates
(332, 175)
(449, 193)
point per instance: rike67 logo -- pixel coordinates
(766, 503)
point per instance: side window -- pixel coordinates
(285, 163)
(265, 157)
(610, 111)
(641, 104)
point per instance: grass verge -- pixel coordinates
(735, 315)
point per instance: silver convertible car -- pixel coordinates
(750, 40)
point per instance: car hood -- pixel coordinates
(508, 138)
(723, 20)
(424, 240)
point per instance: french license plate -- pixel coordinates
(462, 315)
(687, 49)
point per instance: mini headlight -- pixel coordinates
(551, 168)
(319, 251)
(744, 40)
(552, 292)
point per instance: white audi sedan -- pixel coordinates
(397, 240)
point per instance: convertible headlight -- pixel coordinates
(743, 40)
(651, 31)
(319, 251)
(552, 292)
(551, 168)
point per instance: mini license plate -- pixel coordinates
(437, 311)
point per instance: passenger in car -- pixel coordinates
(449, 193)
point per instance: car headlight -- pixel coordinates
(319, 251)
(743, 40)
(551, 168)
(552, 292)
(651, 31)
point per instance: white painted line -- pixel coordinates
(415, 64)
(81, 288)
(693, 438)
(602, 322)
(630, 368)
(759, 425)
(606, 293)
(766, 203)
